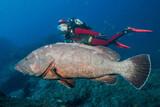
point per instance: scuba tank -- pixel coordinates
(74, 22)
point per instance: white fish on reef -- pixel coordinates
(68, 61)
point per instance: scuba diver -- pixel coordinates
(78, 31)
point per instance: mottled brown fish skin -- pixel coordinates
(73, 60)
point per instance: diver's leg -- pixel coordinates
(124, 32)
(104, 41)
(98, 41)
(118, 35)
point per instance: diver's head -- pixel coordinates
(62, 26)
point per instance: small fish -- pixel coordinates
(68, 61)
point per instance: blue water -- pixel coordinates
(28, 24)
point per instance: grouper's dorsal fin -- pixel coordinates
(112, 55)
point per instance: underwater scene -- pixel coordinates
(79, 53)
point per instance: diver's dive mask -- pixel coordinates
(63, 27)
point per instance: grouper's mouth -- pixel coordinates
(19, 68)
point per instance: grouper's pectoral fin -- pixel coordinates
(52, 71)
(109, 79)
(69, 83)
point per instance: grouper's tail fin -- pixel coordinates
(138, 70)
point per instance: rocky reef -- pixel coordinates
(17, 102)
(44, 93)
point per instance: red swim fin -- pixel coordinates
(138, 30)
(121, 45)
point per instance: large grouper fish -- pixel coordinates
(66, 62)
